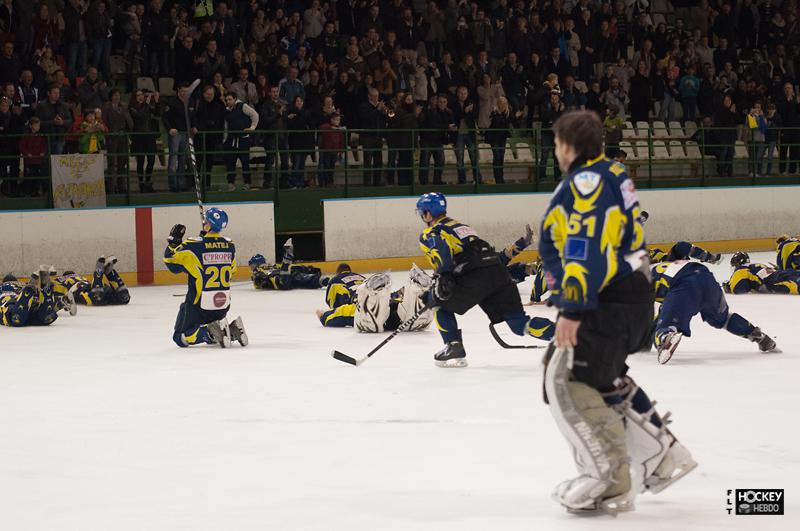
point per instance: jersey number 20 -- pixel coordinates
(217, 277)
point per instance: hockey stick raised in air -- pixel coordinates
(502, 342)
(190, 142)
(402, 328)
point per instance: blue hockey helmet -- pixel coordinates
(433, 202)
(257, 260)
(217, 219)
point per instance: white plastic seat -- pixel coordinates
(628, 148)
(524, 153)
(629, 131)
(145, 83)
(449, 155)
(642, 129)
(660, 130)
(690, 128)
(693, 151)
(660, 150)
(508, 156)
(675, 130)
(642, 151)
(740, 150)
(354, 157)
(166, 86)
(484, 153)
(676, 150)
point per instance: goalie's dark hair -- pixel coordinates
(342, 268)
(582, 130)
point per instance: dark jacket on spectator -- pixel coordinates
(370, 118)
(727, 121)
(435, 123)
(72, 21)
(401, 126)
(272, 118)
(117, 119)
(299, 123)
(10, 124)
(500, 125)
(174, 117)
(47, 112)
(211, 117)
(10, 69)
(92, 95)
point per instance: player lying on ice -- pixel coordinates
(285, 276)
(685, 289)
(31, 304)
(469, 273)
(71, 288)
(370, 305)
(788, 252)
(680, 251)
(209, 262)
(760, 278)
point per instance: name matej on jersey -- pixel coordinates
(217, 245)
(217, 258)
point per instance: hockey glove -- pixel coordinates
(442, 290)
(528, 238)
(176, 234)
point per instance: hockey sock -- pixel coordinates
(197, 335)
(447, 325)
(114, 278)
(641, 404)
(700, 254)
(738, 325)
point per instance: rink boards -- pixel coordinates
(725, 219)
(73, 239)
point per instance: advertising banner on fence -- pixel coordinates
(78, 181)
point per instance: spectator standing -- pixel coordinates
(613, 125)
(501, 120)
(789, 110)
(28, 94)
(33, 148)
(726, 121)
(75, 36)
(241, 121)
(372, 122)
(156, 33)
(174, 120)
(56, 119)
(465, 114)
(10, 129)
(401, 139)
(118, 121)
(331, 147)
(773, 121)
(100, 27)
(299, 121)
(756, 124)
(550, 111)
(186, 69)
(689, 87)
(272, 117)
(244, 89)
(290, 87)
(92, 134)
(10, 64)
(489, 93)
(435, 123)
(144, 111)
(210, 122)
(92, 91)
(45, 29)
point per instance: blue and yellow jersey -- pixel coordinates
(665, 274)
(789, 254)
(267, 277)
(210, 262)
(658, 255)
(342, 289)
(539, 287)
(591, 236)
(750, 277)
(784, 281)
(445, 241)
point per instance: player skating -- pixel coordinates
(469, 273)
(370, 305)
(31, 304)
(286, 275)
(593, 250)
(209, 262)
(760, 278)
(685, 289)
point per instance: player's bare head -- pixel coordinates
(579, 137)
(343, 268)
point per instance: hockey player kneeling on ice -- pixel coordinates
(209, 261)
(469, 273)
(285, 276)
(31, 304)
(71, 287)
(760, 278)
(594, 255)
(685, 289)
(374, 307)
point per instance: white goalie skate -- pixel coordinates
(221, 333)
(677, 462)
(238, 333)
(666, 343)
(68, 301)
(583, 495)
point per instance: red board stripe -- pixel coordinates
(144, 246)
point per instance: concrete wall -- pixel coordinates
(73, 239)
(389, 227)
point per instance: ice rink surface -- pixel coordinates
(106, 425)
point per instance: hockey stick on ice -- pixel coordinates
(190, 142)
(502, 342)
(402, 328)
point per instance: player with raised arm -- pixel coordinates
(469, 273)
(209, 261)
(593, 248)
(284, 276)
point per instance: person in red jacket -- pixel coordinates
(331, 145)
(33, 148)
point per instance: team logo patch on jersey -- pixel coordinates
(220, 299)
(628, 190)
(576, 249)
(465, 231)
(217, 258)
(586, 182)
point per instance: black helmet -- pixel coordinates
(739, 259)
(9, 278)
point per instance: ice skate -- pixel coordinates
(220, 332)
(452, 355)
(714, 258)
(588, 496)
(109, 264)
(68, 301)
(666, 343)
(676, 463)
(764, 342)
(238, 333)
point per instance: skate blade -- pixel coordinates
(455, 363)
(666, 353)
(242, 338)
(663, 484)
(609, 507)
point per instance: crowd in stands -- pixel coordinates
(341, 72)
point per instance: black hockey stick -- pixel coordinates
(341, 356)
(502, 342)
(190, 142)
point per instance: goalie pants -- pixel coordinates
(192, 324)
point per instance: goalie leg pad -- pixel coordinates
(410, 304)
(596, 434)
(373, 299)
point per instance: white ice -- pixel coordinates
(106, 425)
